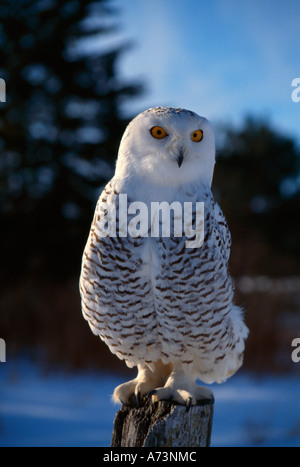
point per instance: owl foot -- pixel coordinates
(145, 382)
(124, 392)
(181, 389)
(182, 396)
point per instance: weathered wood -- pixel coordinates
(163, 424)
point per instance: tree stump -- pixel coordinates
(163, 424)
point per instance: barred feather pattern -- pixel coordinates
(152, 298)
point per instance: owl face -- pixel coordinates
(168, 146)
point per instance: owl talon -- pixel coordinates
(188, 404)
(151, 393)
(138, 398)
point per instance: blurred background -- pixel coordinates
(76, 72)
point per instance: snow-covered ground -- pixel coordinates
(59, 409)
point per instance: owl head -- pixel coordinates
(168, 146)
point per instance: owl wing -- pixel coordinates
(115, 286)
(221, 232)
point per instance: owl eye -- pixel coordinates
(158, 132)
(197, 136)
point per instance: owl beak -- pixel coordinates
(180, 157)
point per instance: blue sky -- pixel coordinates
(223, 59)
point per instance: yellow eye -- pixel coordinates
(197, 136)
(158, 132)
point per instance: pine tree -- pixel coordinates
(60, 129)
(257, 183)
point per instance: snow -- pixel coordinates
(75, 409)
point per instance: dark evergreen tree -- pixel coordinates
(257, 182)
(60, 128)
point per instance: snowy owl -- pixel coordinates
(159, 303)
